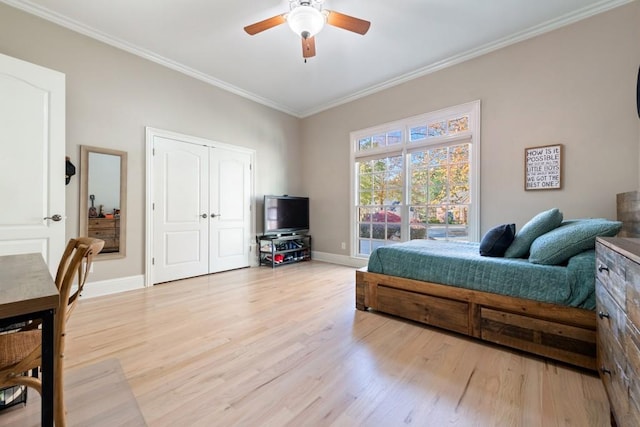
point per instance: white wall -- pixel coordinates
(574, 86)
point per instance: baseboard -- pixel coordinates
(112, 286)
(349, 261)
(123, 284)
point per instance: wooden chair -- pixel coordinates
(21, 351)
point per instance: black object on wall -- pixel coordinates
(70, 170)
(638, 93)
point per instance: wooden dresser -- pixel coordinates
(107, 229)
(618, 325)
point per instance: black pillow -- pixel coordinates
(497, 240)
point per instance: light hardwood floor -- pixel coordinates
(286, 347)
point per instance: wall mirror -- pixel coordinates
(103, 198)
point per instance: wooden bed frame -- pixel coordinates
(566, 334)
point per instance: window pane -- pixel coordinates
(364, 214)
(438, 156)
(364, 144)
(418, 133)
(437, 185)
(418, 195)
(459, 184)
(437, 232)
(459, 153)
(417, 231)
(418, 159)
(459, 124)
(365, 230)
(365, 167)
(437, 129)
(419, 215)
(364, 247)
(378, 141)
(436, 215)
(394, 137)
(365, 198)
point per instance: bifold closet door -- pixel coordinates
(201, 209)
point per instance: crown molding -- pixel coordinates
(545, 27)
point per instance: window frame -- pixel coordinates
(472, 136)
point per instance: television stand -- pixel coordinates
(276, 250)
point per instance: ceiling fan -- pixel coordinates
(306, 18)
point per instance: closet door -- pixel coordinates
(32, 132)
(201, 208)
(180, 210)
(230, 209)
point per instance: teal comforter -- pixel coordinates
(460, 264)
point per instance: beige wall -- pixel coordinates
(574, 86)
(113, 95)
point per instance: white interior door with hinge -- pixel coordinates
(200, 201)
(32, 160)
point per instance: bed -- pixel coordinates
(540, 308)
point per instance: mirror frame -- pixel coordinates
(84, 196)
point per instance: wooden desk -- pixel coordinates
(28, 292)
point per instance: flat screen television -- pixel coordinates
(285, 214)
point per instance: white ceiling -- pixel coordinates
(407, 39)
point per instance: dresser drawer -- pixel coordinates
(632, 278)
(632, 350)
(111, 223)
(610, 272)
(610, 317)
(101, 233)
(612, 367)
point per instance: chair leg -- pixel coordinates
(59, 413)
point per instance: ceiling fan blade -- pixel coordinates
(347, 22)
(265, 25)
(309, 47)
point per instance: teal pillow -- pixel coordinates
(571, 238)
(536, 227)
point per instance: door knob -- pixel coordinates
(214, 215)
(204, 215)
(55, 217)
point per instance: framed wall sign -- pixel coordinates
(543, 167)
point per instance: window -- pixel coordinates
(417, 179)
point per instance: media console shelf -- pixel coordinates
(281, 250)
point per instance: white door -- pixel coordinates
(181, 210)
(201, 202)
(230, 226)
(32, 160)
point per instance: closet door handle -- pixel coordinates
(602, 268)
(204, 215)
(214, 215)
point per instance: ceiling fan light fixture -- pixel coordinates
(306, 21)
